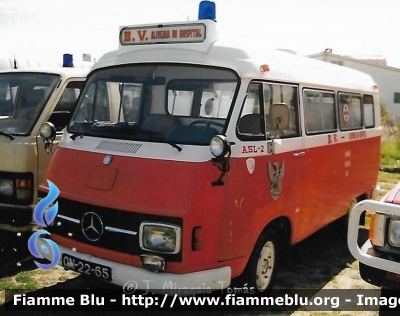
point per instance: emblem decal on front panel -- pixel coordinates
(275, 174)
(251, 165)
(107, 160)
(92, 226)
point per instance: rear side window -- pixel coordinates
(350, 113)
(369, 118)
(319, 111)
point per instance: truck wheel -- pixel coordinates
(261, 268)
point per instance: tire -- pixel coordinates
(260, 271)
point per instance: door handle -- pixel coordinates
(299, 154)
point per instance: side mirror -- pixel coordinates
(279, 116)
(48, 133)
(221, 150)
(220, 146)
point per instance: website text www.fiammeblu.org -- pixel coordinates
(312, 300)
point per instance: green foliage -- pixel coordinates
(390, 152)
(390, 144)
(23, 277)
(386, 117)
(21, 281)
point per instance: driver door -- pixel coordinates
(59, 117)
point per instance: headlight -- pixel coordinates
(16, 188)
(394, 232)
(219, 146)
(163, 238)
(6, 187)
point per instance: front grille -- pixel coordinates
(120, 228)
(119, 147)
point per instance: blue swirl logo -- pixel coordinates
(44, 213)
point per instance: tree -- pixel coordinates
(386, 118)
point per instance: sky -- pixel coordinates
(46, 29)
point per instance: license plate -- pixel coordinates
(86, 267)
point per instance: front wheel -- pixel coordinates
(261, 268)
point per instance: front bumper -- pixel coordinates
(375, 267)
(378, 276)
(161, 282)
(16, 218)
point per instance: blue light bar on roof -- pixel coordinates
(207, 10)
(68, 60)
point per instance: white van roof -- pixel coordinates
(62, 71)
(150, 46)
(9, 63)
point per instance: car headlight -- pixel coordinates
(394, 232)
(6, 187)
(159, 237)
(16, 187)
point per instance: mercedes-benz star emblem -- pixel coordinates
(92, 226)
(107, 160)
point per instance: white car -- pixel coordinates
(379, 256)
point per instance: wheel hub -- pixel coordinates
(265, 265)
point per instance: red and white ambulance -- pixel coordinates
(201, 161)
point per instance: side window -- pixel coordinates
(350, 114)
(319, 111)
(250, 122)
(6, 102)
(66, 105)
(69, 96)
(369, 117)
(396, 97)
(254, 118)
(286, 94)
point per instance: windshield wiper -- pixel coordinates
(179, 148)
(7, 134)
(73, 136)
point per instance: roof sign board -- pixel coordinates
(163, 34)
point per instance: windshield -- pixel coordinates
(162, 103)
(22, 98)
